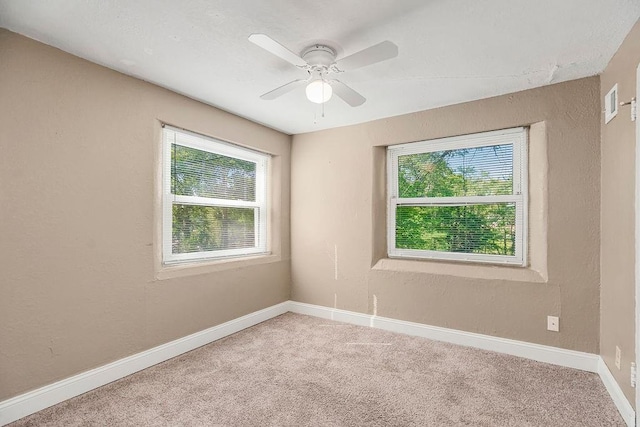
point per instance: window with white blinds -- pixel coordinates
(214, 198)
(461, 198)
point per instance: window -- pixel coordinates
(214, 198)
(460, 198)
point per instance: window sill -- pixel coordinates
(461, 269)
(192, 268)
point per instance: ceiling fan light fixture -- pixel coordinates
(319, 91)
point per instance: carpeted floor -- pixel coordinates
(302, 371)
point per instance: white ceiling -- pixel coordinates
(451, 51)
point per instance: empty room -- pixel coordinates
(319, 213)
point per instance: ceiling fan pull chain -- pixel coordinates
(323, 86)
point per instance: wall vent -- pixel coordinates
(611, 104)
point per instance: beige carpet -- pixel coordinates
(302, 371)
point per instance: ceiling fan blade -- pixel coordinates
(376, 53)
(270, 45)
(282, 90)
(347, 94)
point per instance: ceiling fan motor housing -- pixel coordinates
(319, 56)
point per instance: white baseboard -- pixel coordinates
(20, 406)
(542, 353)
(330, 313)
(36, 400)
(538, 352)
(618, 397)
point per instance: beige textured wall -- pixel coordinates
(78, 286)
(338, 225)
(617, 293)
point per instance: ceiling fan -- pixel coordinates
(319, 61)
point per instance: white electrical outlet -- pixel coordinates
(633, 374)
(553, 323)
(618, 356)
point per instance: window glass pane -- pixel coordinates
(477, 229)
(211, 228)
(204, 174)
(480, 171)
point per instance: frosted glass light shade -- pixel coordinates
(319, 91)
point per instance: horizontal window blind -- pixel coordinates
(478, 171)
(211, 228)
(475, 229)
(205, 174)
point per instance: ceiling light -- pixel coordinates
(319, 91)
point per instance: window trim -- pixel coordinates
(172, 135)
(515, 136)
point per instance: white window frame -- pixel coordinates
(172, 135)
(517, 137)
